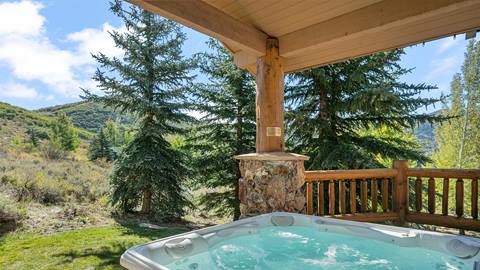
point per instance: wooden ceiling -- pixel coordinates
(319, 32)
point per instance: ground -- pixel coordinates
(88, 248)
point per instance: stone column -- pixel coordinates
(271, 182)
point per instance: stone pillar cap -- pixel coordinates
(272, 156)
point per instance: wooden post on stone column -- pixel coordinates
(269, 101)
(400, 190)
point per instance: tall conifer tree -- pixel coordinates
(227, 128)
(100, 147)
(330, 107)
(149, 82)
(459, 138)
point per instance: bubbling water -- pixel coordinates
(292, 248)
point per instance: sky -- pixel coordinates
(46, 46)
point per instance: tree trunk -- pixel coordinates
(236, 208)
(464, 135)
(147, 202)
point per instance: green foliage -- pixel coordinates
(149, 82)
(329, 108)
(63, 133)
(226, 129)
(33, 137)
(148, 163)
(112, 133)
(90, 248)
(100, 147)
(459, 138)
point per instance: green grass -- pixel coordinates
(91, 248)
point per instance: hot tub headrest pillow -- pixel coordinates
(461, 249)
(282, 220)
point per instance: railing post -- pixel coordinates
(400, 188)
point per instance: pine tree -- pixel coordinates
(100, 147)
(227, 128)
(63, 133)
(32, 137)
(459, 138)
(329, 108)
(149, 82)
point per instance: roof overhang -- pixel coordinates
(319, 32)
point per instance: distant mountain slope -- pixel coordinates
(15, 121)
(426, 137)
(87, 115)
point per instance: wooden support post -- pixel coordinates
(431, 195)
(459, 192)
(331, 198)
(400, 189)
(343, 200)
(269, 103)
(474, 198)
(320, 199)
(309, 198)
(363, 195)
(418, 194)
(385, 194)
(446, 186)
(374, 193)
(353, 196)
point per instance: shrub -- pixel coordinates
(11, 213)
(53, 151)
(53, 182)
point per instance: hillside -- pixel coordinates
(426, 137)
(39, 192)
(15, 121)
(87, 115)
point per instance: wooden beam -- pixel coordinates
(349, 174)
(383, 26)
(444, 173)
(444, 221)
(371, 18)
(370, 217)
(269, 102)
(207, 19)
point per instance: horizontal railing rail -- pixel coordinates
(378, 195)
(441, 173)
(349, 174)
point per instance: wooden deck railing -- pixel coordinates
(377, 195)
(437, 189)
(345, 194)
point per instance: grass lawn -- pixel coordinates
(90, 248)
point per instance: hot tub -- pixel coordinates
(293, 241)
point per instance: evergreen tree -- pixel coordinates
(63, 133)
(149, 82)
(100, 147)
(459, 138)
(227, 128)
(330, 107)
(112, 132)
(32, 137)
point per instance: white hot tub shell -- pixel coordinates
(155, 255)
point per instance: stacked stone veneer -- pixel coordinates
(271, 183)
